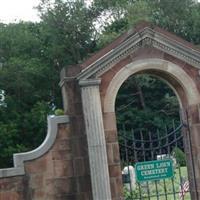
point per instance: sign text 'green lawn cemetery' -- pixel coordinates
(154, 170)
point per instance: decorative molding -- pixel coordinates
(20, 158)
(152, 64)
(66, 79)
(89, 82)
(145, 38)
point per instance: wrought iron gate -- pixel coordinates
(139, 146)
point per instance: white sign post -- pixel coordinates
(129, 174)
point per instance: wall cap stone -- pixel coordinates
(153, 64)
(20, 158)
(89, 82)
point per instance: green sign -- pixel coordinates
(154, 170)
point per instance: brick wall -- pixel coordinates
(60, 174)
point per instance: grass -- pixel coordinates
(167, 189)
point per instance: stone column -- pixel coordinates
(96, 139)
(192, 149)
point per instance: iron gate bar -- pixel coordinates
(148, 149)
(161, 138)
(152, 157)
(159, 145)
(157, 140)
(133, 147)
(173, 188)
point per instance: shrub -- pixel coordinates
(180, 156)
(59, 112)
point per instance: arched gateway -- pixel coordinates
(145, 49)
(79, 158)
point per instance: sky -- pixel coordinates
(16, 10)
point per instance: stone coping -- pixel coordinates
(20, 158)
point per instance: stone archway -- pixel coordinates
(95, 84)
(175, 77)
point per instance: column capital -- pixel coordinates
(89, 82)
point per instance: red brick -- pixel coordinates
(62, 155)
(79, 167)
(10, 196)
(37, 166)
(11, 184)
(115, 170)
(57, 187)
(79, 147)
(84, 184)
(113, 188)
(61, 145)
(116, 156)
(77, 124)
(194, 114)
(36, 181)
(63, 131)
(111, 136)
(109, 153)
(109, 121)
(63, 168)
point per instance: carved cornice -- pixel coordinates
(89, 82)
(145, 38)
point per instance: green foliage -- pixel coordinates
(131, 195)
(21, 131)
(111, 32)
(59, 112)
(180, 156)
(180, 17)
(31, 57)
(177, 18)
(139, 11)
(69, 31)
(9, 143)
(32, 54)
(145, 102)
(24, 69)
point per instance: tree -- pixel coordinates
(180, 17)
(146, 103)
(69, 31)
(22, 78)
(179, 156)
(31, 57)
(67, 34)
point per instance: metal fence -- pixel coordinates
(143, 145)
